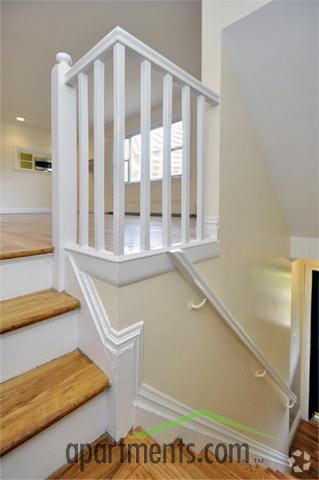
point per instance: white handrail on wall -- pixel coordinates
(188, 269)
(70, 138)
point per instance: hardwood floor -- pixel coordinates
(306, 442)
(129, 461)
(31, 234)
(36, 399)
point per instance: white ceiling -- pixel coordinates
(34, 31)
(275, 54)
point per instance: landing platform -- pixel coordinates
(31, 234)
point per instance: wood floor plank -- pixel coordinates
(35, 400)
(20, 311)
(134, 467)
(306, 440)
(30, 234)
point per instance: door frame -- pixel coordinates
(305, 340)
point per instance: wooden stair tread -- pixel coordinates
(20, 311)
(7, 255)
(35, 400)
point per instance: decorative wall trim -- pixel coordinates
(150, 402)
(131, 268)
(304, 247)
(294, 426)
(24, 210)
(123, 355)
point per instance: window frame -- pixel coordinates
(138, 132)
(35, 152)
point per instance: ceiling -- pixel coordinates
(34, 31)
(275, 55)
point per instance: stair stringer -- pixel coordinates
(116, 352)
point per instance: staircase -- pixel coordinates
(176, 463)
(51, 393)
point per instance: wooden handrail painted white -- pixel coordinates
(187, 268)
(159, 63)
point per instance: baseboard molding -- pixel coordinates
(5, 211)
(152, 405)
(294, 426)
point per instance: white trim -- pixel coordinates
(151, 401)
(131, 268)
(159, 63)
(123, 355)
(305, 343)
(304, 247)
(7, 211)
(294, 426)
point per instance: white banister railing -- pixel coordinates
(71, 127)
(188, 269)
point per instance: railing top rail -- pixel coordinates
(191, 273)
(159, 62)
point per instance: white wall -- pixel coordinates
(20, 188)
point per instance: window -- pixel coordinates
(132, 154)
(29, 159)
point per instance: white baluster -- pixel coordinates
(200, 166)
(185, 163)
(83, 159)
(167, 178)
(64, 174)
(99, 207)
(145, 191)
(118, 149)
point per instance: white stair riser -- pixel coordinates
(25, 275)
(31, 346)
(45, 452)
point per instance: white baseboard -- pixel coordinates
(24, 210)
(294, 426)
(154, 407)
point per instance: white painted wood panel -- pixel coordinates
(99, 136)
(145, 187)
(118, 146)
(83, 119)
(185, 163)
(167, 174)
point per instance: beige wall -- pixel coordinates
(216, 15)
(23, 189)
(192, 356)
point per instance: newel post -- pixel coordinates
(64, 169)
